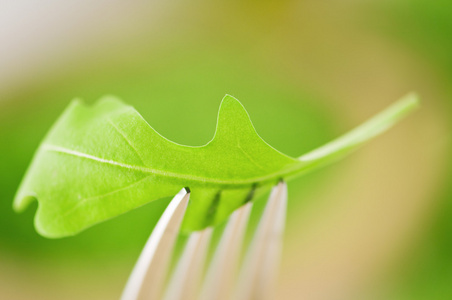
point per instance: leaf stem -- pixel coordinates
(366, 131)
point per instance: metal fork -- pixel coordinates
(222, 280)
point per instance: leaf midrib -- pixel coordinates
(205, 180)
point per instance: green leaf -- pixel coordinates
(101, 161)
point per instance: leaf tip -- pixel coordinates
(109, 102)
(104, 101)
(77, 101)
(231, 104)
(230, 100)
(411, 100)
(22, 201)
(109, 98)
(232, 117)
(403, 106)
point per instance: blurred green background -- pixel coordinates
(377, 225)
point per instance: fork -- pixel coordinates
(227, 275)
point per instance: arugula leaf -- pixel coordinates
(101, 161)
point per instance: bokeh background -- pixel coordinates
(377, 225)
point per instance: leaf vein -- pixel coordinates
(126, 139)
(84, 200)
(249, 157)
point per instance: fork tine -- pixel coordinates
(146, 279)
(258, 274)
(187, 275)
(219, 279)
